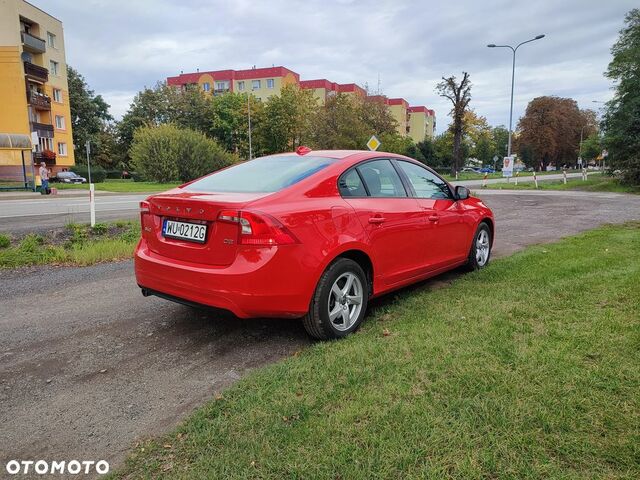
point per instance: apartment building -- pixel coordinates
(33, 90)
(421, 123)
(260, 82)
(418, 122)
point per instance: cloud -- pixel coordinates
(121, 46)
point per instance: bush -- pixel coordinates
(98, 174)
(5, 241)
(113, 174)
(137, 177)
(168, 153)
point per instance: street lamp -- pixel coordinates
(249, 115)
(513, 74)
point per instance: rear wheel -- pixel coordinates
(339, 302)
(480, 248)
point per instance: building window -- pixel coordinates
(270, 83)
(51, 40)
(206, 86)
(241, 86)
(53, 67)
(60, 122)
(255, 84)
(222, 86)
(62, 149)
(57, 95)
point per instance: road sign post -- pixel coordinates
(92, 199)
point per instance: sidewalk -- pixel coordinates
(61, 193)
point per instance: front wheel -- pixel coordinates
(339, 302)
(480, 248)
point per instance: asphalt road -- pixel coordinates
(88, 366)
(39, 213)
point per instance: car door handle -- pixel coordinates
(376, 220)
(433, 218)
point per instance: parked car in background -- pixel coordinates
(487, 170)
(68, 177)
(311, 235)
(470, 170)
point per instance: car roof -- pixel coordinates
(340, 154)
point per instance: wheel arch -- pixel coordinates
(362, 259)
(490, 223)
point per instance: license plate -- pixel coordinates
(192, 232)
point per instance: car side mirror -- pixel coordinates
(462, 193)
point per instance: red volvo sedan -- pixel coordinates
(311, 234)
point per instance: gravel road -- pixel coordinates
(88, 366)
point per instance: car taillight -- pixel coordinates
(145, 209)
(257, 229)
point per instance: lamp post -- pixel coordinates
(513, 74)
(249, 115)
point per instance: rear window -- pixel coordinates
(266, 174)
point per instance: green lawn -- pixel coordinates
(117, 185)
(527, 369)
(480, 176)
(598, 183)
(75, 244)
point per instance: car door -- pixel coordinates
(392, 219)
(446, 230)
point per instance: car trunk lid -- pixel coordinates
(220, 243)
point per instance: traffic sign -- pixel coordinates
(373, 143)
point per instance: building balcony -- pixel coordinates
(33, 44)
(44, 130)
(47, 157)
(38, 100)
(36, 72)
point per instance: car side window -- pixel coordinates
(424, 182)
(350, 185)
(381, 179)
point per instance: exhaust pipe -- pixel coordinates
(145, 292)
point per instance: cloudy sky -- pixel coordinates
(122, 46)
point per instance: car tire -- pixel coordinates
(334, 311)
(480, 251)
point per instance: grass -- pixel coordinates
(75, 244)
(480, 176)
(526, 369)
(599, 183)
(123, 186)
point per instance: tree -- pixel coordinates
(287, 120)
(427, 152)
(339, 125)
(479, 136)
(89, 112)
(592, 147)
(622, 117)
(551, 129)
(459, 94)
(168, 153)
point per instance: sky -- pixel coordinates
(405, 47)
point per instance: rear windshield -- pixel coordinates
(266, 174)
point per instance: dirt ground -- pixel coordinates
(88, 366)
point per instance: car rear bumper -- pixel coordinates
(268, 284)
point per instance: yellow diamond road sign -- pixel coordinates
(373, 143)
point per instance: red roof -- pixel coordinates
(379, 98)
(350, 87)
(398, 101)
(186, 78)
(319, 83)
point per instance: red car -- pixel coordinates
(311, 234)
